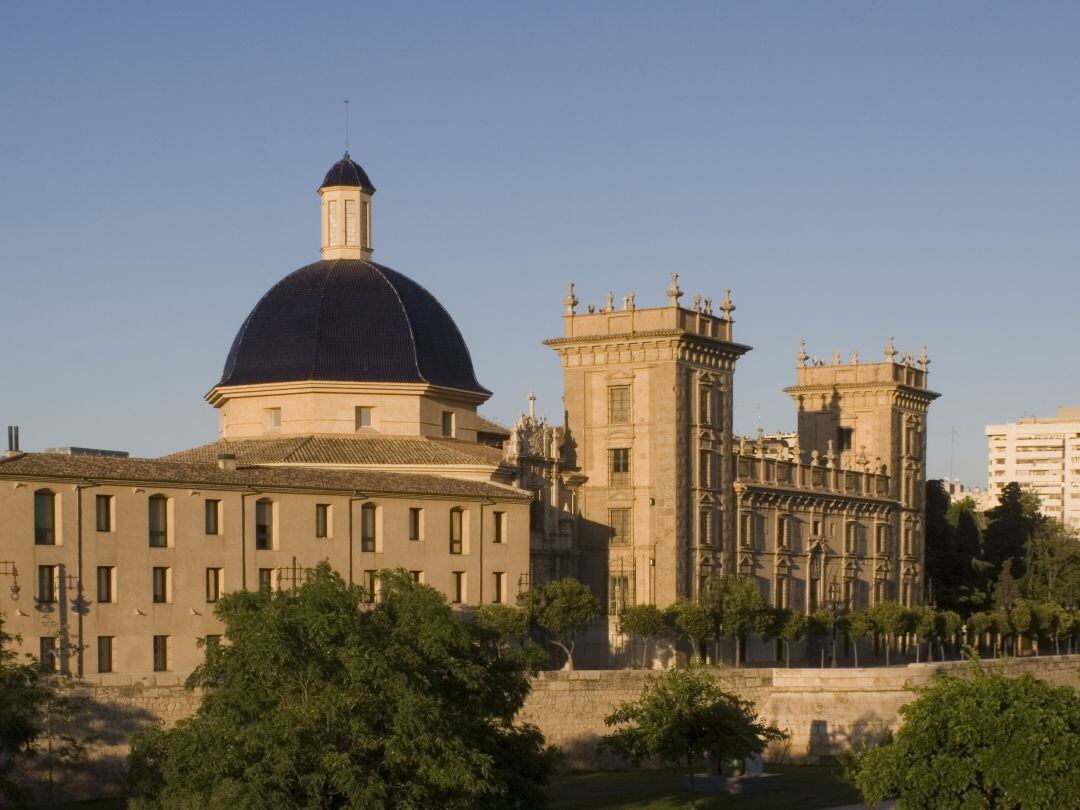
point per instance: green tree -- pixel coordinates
(23, 696)
(1012, 523)
(888, 621)
(647, 623)
(945, 566)
(986, 741)
(952, 625)
(1053, 563)
(742, 609)
(694, 620)
(564, 608)
(682, 716)
(318, 700)
(859, 625)
(790, 626)
(508, 624)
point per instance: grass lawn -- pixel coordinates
(806, 787)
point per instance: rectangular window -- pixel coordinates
(161, 653)
(371, 586)
(459, 587)
(351, 237)
(448, 424)
(364, 416)
(159, 521)
(266, 579)
(845, 438)
(619, 466)
(618, 593)
(417, 576)
(47, 657)
(103, 505)
(415, 523)
(365, 224)
(783, 532)
(619, 521)
(332, 223)
(213, 516)
(213, 584)
(500, 527)
(106, 580)
(746, 531)
(47, 575)
(619, 405)
(161, 585)
(105, 646)
(455, 531)
(367, 527)
(274, 415)
(881, 542)
(322, 520)
(264, 525)
(705, 409)
(44, 518)
(705, 527)
(705, 470)
(851, 533)
(499, 578)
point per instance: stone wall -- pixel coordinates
(826, 711)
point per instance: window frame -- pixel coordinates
(212, 517)
(48, 532)
(214, 582)
(264, 524)
(458, 597)
(619, 406)
(48, 585)
(369, 516)
(159, 584)
(456, 531)
(106, 575)
(158, 537)
(619, 467)
(416, 524)
(323, 521)
(103, 514)
(498, 536)
(160, 653)
(106, 662)
(625, 521)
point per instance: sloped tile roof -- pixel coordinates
(318, 449)
(157, 471)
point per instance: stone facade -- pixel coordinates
(832, 514)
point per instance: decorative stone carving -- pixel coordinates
(571, 300)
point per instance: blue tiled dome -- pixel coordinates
(347, 172)
(349, 321)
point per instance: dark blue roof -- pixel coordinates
(347, 172)
(349, 321)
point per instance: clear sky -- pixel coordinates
(850, 170)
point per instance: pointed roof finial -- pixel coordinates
(609, 303)
(727, 307)
(532, 405)
(924, 361)
(802, 356)
(673, 292)
(346, 128)
(890, 350)
(571, 300)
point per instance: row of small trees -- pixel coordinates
(732, 608)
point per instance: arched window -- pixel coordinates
(264, 524)
(367, 527)
(44, 518)
(455, 530)
(159, 521)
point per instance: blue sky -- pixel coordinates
(850, 170)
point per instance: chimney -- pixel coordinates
(227, 461)
(13, 440)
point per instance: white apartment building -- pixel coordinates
(1042, 454)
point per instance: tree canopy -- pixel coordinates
(684, 715)
(987, 741)
(319, 700)
(562, 607)
(23, 695)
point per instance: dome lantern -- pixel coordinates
(346, 211)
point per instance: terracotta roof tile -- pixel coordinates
(156, 471)
(374, 450)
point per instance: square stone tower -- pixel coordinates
(873, 415)
(647, 397)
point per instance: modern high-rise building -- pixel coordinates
(1041, 454)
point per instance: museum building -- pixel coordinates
(349, 432)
